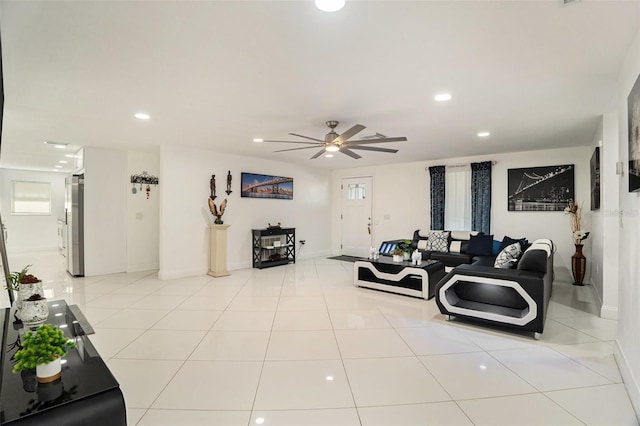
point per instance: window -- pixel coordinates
(457, 201)
(30, 197)
(355, 191)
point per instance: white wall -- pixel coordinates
(105, 209)
(401, 193)
(185, 216)
(628, 344)
(142, 214)
(605, 230)
(32, 232)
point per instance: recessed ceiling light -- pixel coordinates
(70, 156)
(330, 5)
(258, 140)
(332, 148)
(442, 97)
(63, 161)
(483, 134)
(329, 155)
(58, 166)
(142, 116)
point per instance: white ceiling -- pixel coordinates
(217, 74)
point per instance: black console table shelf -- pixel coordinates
(86, 394)
(273, 247)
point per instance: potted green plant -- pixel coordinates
(28, 287)
(42, 350)
(407, 249)
(397, 254)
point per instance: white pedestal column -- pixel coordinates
(218, 266)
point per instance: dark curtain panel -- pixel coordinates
(437, 196)
(481, 197)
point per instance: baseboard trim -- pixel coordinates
(609, 312)
(630, 382)
(142, 267)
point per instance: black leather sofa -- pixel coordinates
(511, 297)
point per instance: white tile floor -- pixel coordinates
(300, 345)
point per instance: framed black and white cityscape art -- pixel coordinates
(633, 107)
(595, 179)
(546, 188)
(266, 186)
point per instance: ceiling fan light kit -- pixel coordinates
(333, 142)
(330, 5)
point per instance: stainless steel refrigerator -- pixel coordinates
(74, 216)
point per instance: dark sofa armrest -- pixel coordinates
(517, 275)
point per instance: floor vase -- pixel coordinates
(578, 265)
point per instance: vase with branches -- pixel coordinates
(578, 260)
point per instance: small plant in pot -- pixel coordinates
(398, 254)
(402, 251)
(26, 285)
(42, 350)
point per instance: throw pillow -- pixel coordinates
(422, 244)
(507, 241)
(438, 241)
(480, 245)
(495, 248)
(508, 256)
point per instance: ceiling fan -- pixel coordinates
(334, 142)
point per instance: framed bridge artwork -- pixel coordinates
(633, 105)
(547, 188)
(266, 186)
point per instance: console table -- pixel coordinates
(399, 277)
(87, 393)
(273, 247)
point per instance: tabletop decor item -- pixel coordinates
(43, 350)
(578, 260)
(27, 286)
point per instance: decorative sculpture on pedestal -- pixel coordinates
(217, 212)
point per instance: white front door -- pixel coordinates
(356, 216)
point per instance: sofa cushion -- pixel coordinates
(463, 235)
(507, 241)
(438, 241)
(458, 246)
(534, 259)
(451, 259)
(480, 245)
(508, 256)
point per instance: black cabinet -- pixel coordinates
(273, 247)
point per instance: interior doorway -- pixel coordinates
(357, 214)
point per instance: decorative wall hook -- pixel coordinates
(143, 178)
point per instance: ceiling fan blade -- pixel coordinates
(373, 148)
(295, 149)
(306, 143)
(383, 140)
(318, 154)
(350, 153)
(306, 137)
(349, 133)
